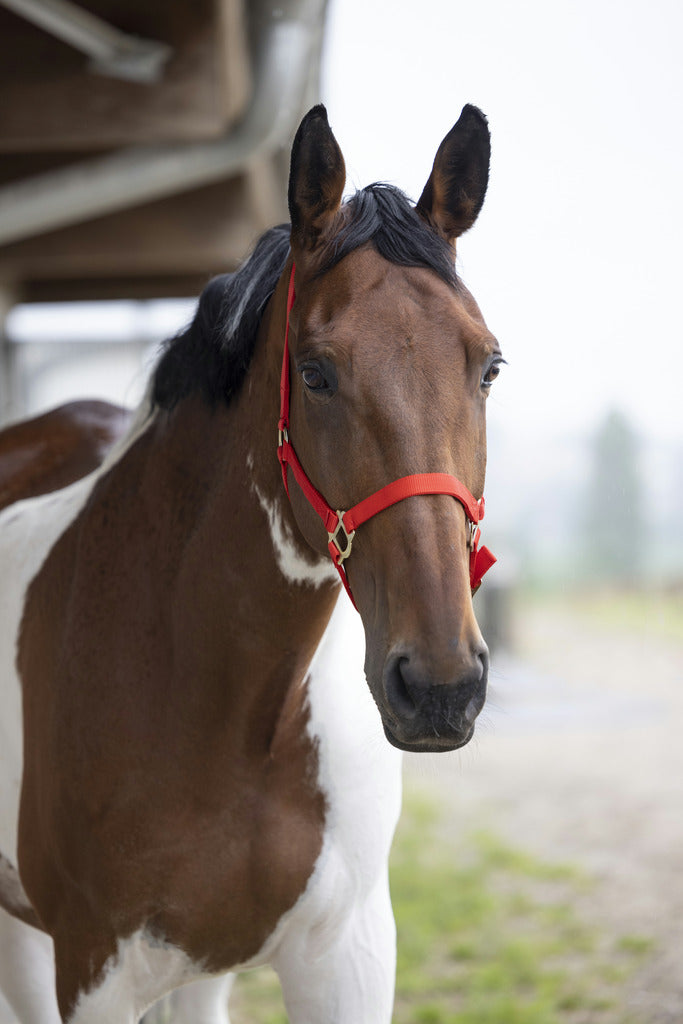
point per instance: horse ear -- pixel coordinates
(454, 193)
(316, 181)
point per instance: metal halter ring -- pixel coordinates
(472, 539)
(344, 552)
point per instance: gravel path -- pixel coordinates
(579, 759)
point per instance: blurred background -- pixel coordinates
(146, 150)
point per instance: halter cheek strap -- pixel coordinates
(341, 526)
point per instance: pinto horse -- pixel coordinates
(57, 448)
(202, 781)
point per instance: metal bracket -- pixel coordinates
(348, 539)
(112, 51)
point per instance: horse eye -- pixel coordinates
(491, 373)
(313, 378)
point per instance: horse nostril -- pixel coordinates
(482, 660)
(396, 688)
(411, 692)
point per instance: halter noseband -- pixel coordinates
(341, 526)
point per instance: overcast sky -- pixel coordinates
(576, 257)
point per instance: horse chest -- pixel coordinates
(226, 865)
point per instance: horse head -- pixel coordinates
(390, 365)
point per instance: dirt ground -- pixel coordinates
(579, 759)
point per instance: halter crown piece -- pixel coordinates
(341, 526)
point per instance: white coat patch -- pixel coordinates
(142, 970)
(291, 564)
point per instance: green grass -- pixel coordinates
(650, 612)
(654, 613)
(487, 934)
(257, 999)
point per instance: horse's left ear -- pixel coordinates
(316, 182)
(454, 193)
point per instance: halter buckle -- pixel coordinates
(473, 536)
(338, 553)
(282, 436)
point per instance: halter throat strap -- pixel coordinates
(341, 526)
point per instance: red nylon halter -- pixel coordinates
(346, 523)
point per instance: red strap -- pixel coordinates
(481, 559)
(288, 457)
(409, 487)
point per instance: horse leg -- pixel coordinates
(7, 1014)
(200, 1002)
(27, 974)
(352, 980)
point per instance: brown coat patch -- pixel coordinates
(57, 448)
(169, 781)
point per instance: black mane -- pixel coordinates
(213, 353)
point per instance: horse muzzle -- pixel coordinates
(423, 712)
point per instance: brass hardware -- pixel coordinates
(346, 550)
(472, 538)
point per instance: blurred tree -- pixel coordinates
(613, 541)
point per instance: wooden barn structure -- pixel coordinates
(143, 146)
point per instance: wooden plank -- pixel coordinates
(50, 100)
(162, 248)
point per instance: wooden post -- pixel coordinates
(8, 396)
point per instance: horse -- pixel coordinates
(54, 450)
(200, 772)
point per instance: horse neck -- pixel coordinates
(241, 626)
